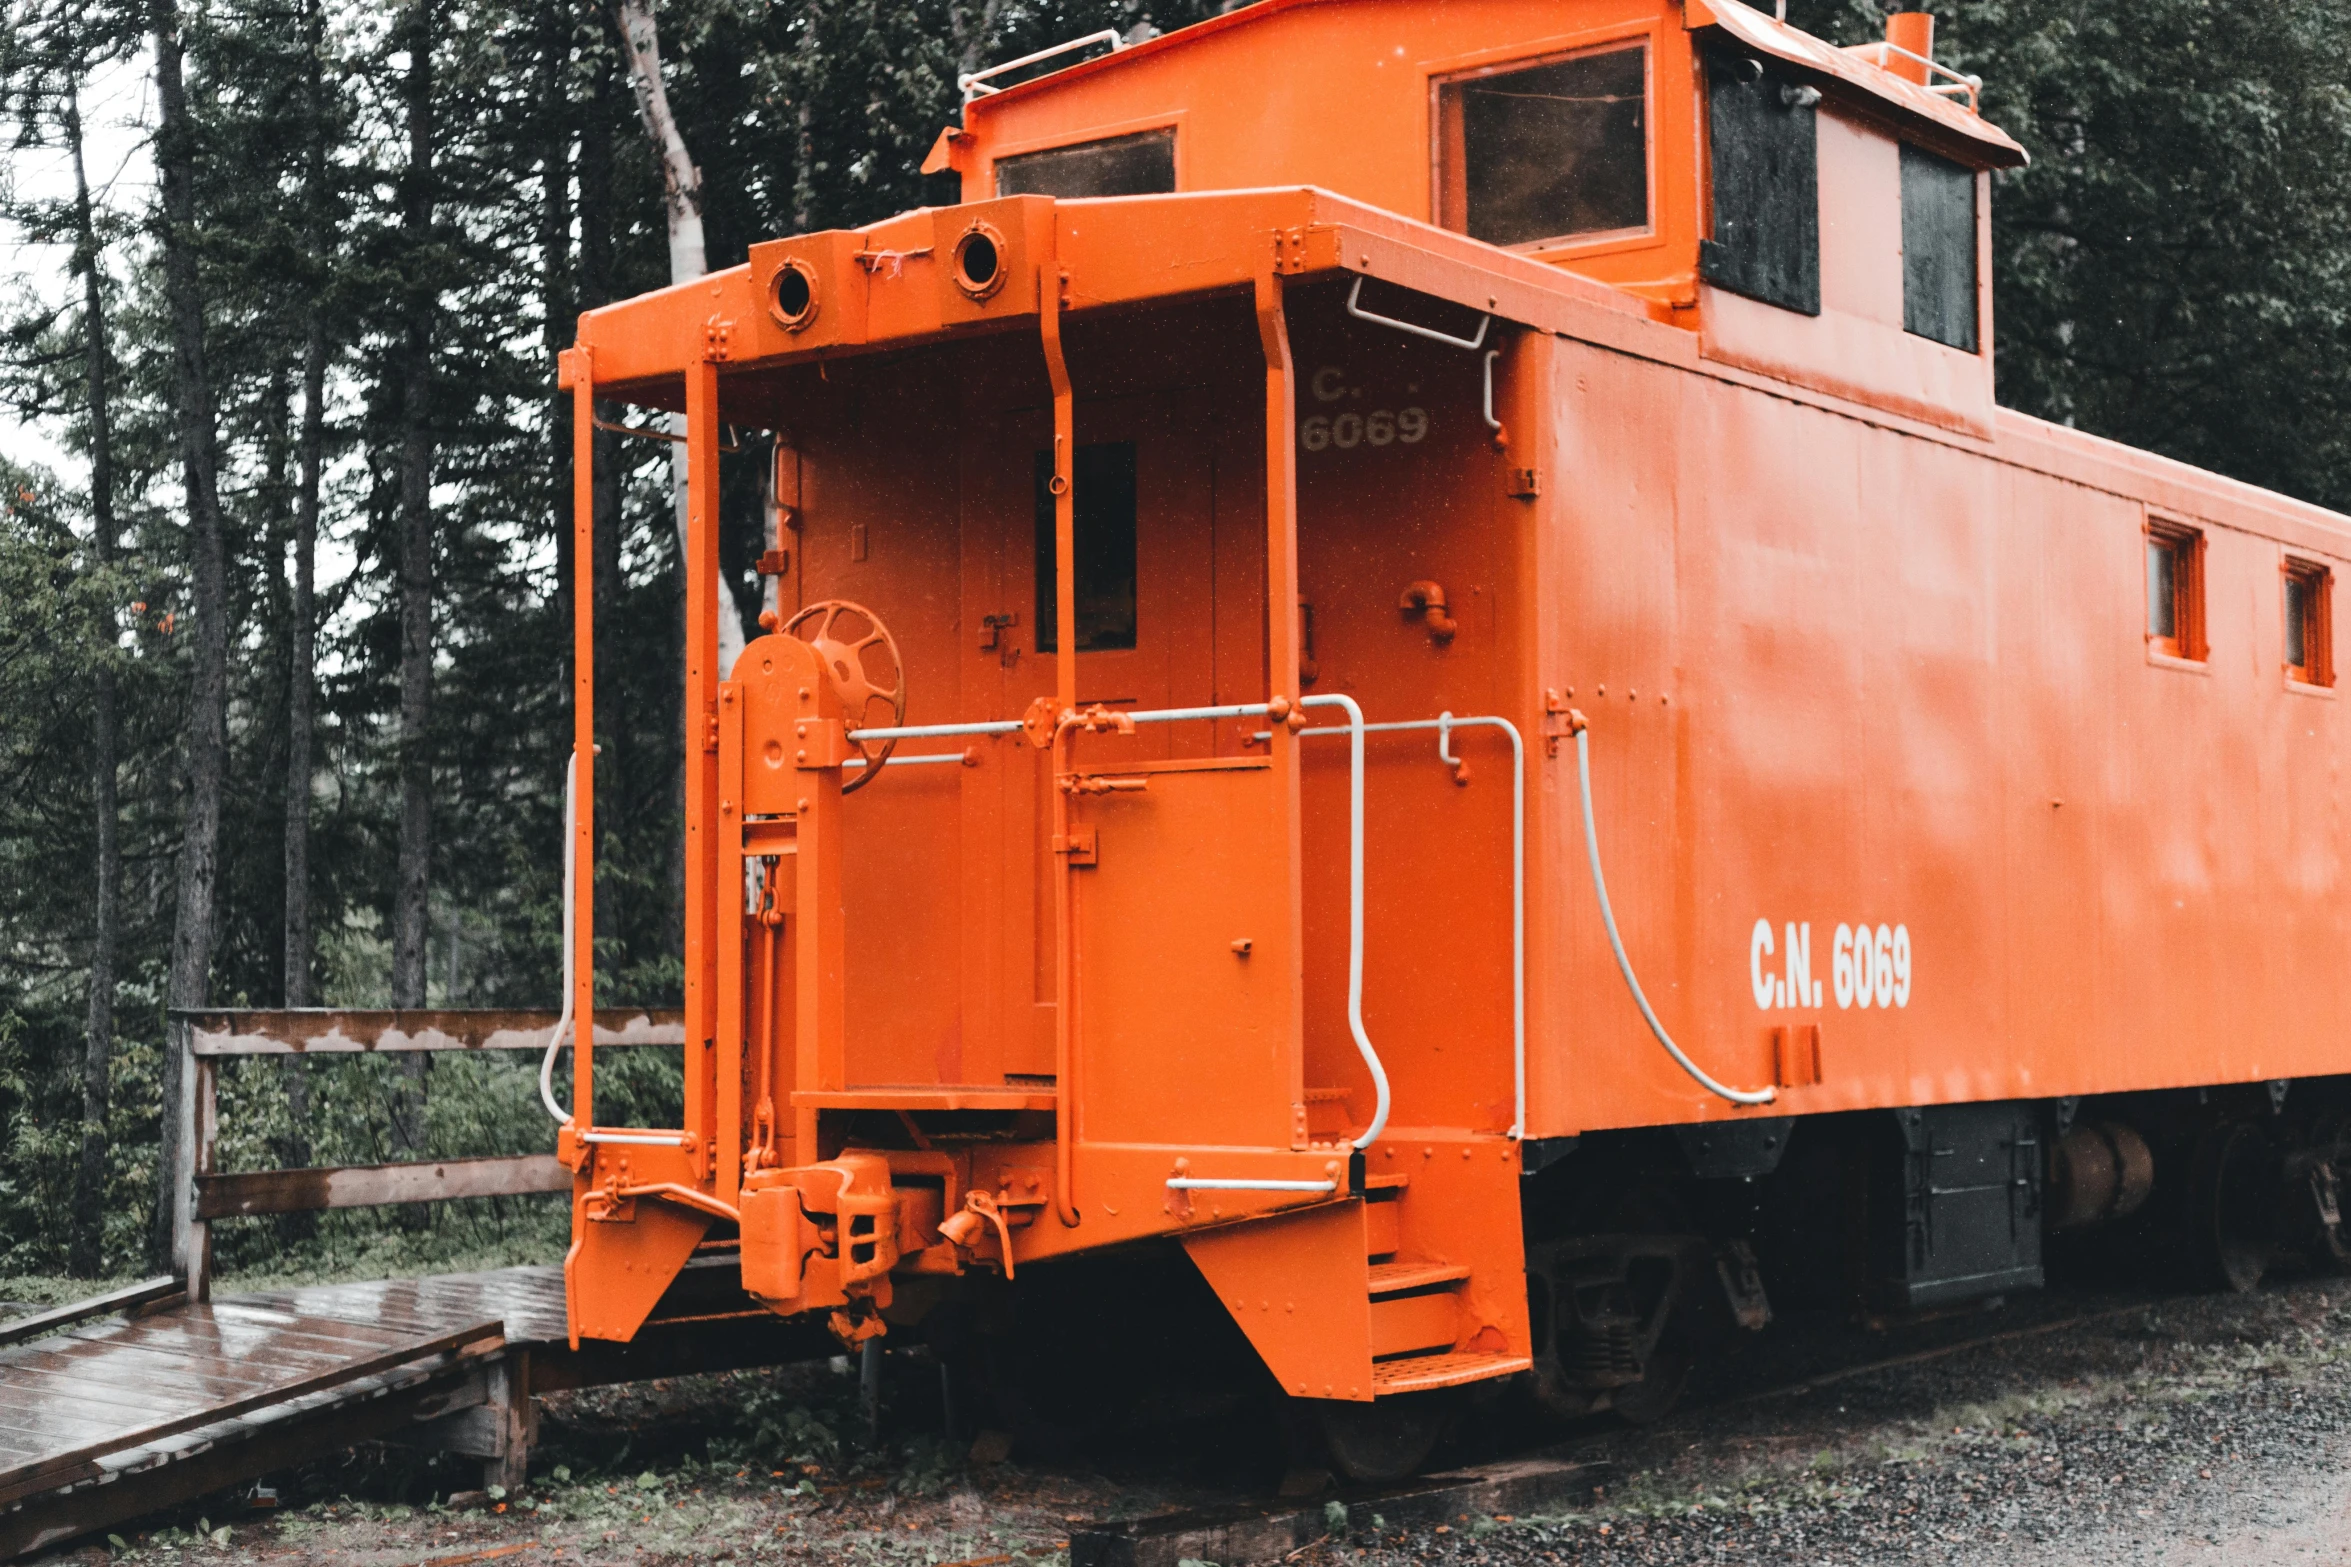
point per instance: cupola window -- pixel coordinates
(1536, 153)
(1764, 151)
(1938, 249)
(1142, 165)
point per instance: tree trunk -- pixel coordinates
(189, 977)
(86, 1251)
(598, 265)
(411, 928)
(681, 184)
(302, 614)
(557, 295)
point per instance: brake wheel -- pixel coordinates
(848, 637)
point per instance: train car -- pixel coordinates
(1409, 655)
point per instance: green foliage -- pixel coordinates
(2169, 270)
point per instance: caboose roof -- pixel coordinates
(1848, 75)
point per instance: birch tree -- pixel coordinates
(681, 189)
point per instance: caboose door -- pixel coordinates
(1170, 613)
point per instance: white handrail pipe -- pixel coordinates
(1624, 965)
(1363, 1045)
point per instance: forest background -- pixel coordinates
(284, 546)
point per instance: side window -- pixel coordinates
(1763, 145)
(2310, 623)
(1938, 249)
(1560, 150)
(2175, 590)
(1103, 491)
(1141, 165)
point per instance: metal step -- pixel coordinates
(1394, 1278)
(1422, 1373)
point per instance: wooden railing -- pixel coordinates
(201, 1193)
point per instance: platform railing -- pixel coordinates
(201, 1193)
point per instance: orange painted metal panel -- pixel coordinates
(1296, 1286)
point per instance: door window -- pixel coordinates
(1103, 492)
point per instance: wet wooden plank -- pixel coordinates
(146, 1292)
(74, 1454)
(179, 1358)
(529, 1299)
(141, 1480)
(376, 1185)
(142, 1380)
(228, 1331)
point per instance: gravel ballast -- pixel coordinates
(2071, 1427)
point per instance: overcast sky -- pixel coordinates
(117, 103)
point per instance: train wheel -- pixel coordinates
(2233, 1205)
(1384, 1440)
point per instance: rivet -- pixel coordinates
(1603, 690)
(802, 755)
(1631, 695)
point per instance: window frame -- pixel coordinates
(1448, 169)
(1119, 130)
(2187, 644)
(2317, 671)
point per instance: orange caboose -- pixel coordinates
(1410, 654)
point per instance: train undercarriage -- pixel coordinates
(1651, 1251)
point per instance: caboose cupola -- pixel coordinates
(1815, 214)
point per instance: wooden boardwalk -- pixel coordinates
(108, 1420)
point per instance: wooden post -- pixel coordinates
(514, 1421)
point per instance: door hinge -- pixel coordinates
(1080, 845)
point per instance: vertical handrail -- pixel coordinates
(571, 812)
(1062, 486)
(701, 747)
(1446, 724)
(1363, 1045)
(580, 926)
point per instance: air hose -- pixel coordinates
(1624, 965)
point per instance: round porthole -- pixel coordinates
(792, 296)
(979, 261)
